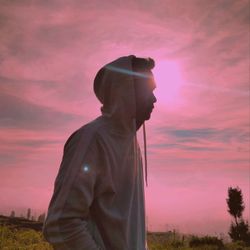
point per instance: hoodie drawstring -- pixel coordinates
(145, 149)
(135, 146)
(145, 154)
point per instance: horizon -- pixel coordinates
(223, 235)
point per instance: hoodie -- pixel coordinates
(98, 201)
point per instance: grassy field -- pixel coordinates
(22, 234)
(22, 239)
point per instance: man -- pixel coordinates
(98, 200)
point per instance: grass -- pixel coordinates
(22, 234)
(22, 239)
(170, 241)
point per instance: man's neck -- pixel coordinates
(138, 124)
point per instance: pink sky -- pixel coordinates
(198, 135)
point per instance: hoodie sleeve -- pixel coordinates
(66, 225)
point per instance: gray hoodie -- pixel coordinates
(98, 200)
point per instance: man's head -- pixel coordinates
(125, 88)
(144, 87)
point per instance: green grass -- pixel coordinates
(12, 238)
(170, 241)
(22, 239)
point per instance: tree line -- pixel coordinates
(40, 218)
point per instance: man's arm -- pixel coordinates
(66, 225)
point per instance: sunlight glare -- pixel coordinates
(167, 75)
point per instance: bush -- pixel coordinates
(207, 240)
(237, 245)
(177, 244)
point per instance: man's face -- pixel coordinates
(145, 98)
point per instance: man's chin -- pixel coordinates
(148, 116)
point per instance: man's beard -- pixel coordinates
(146, 116)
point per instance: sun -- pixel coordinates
(168, 78)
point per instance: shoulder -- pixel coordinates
(87, 134)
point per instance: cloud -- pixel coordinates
(209, 134)
(18, 113)
(65, 97)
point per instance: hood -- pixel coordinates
(116, 91)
